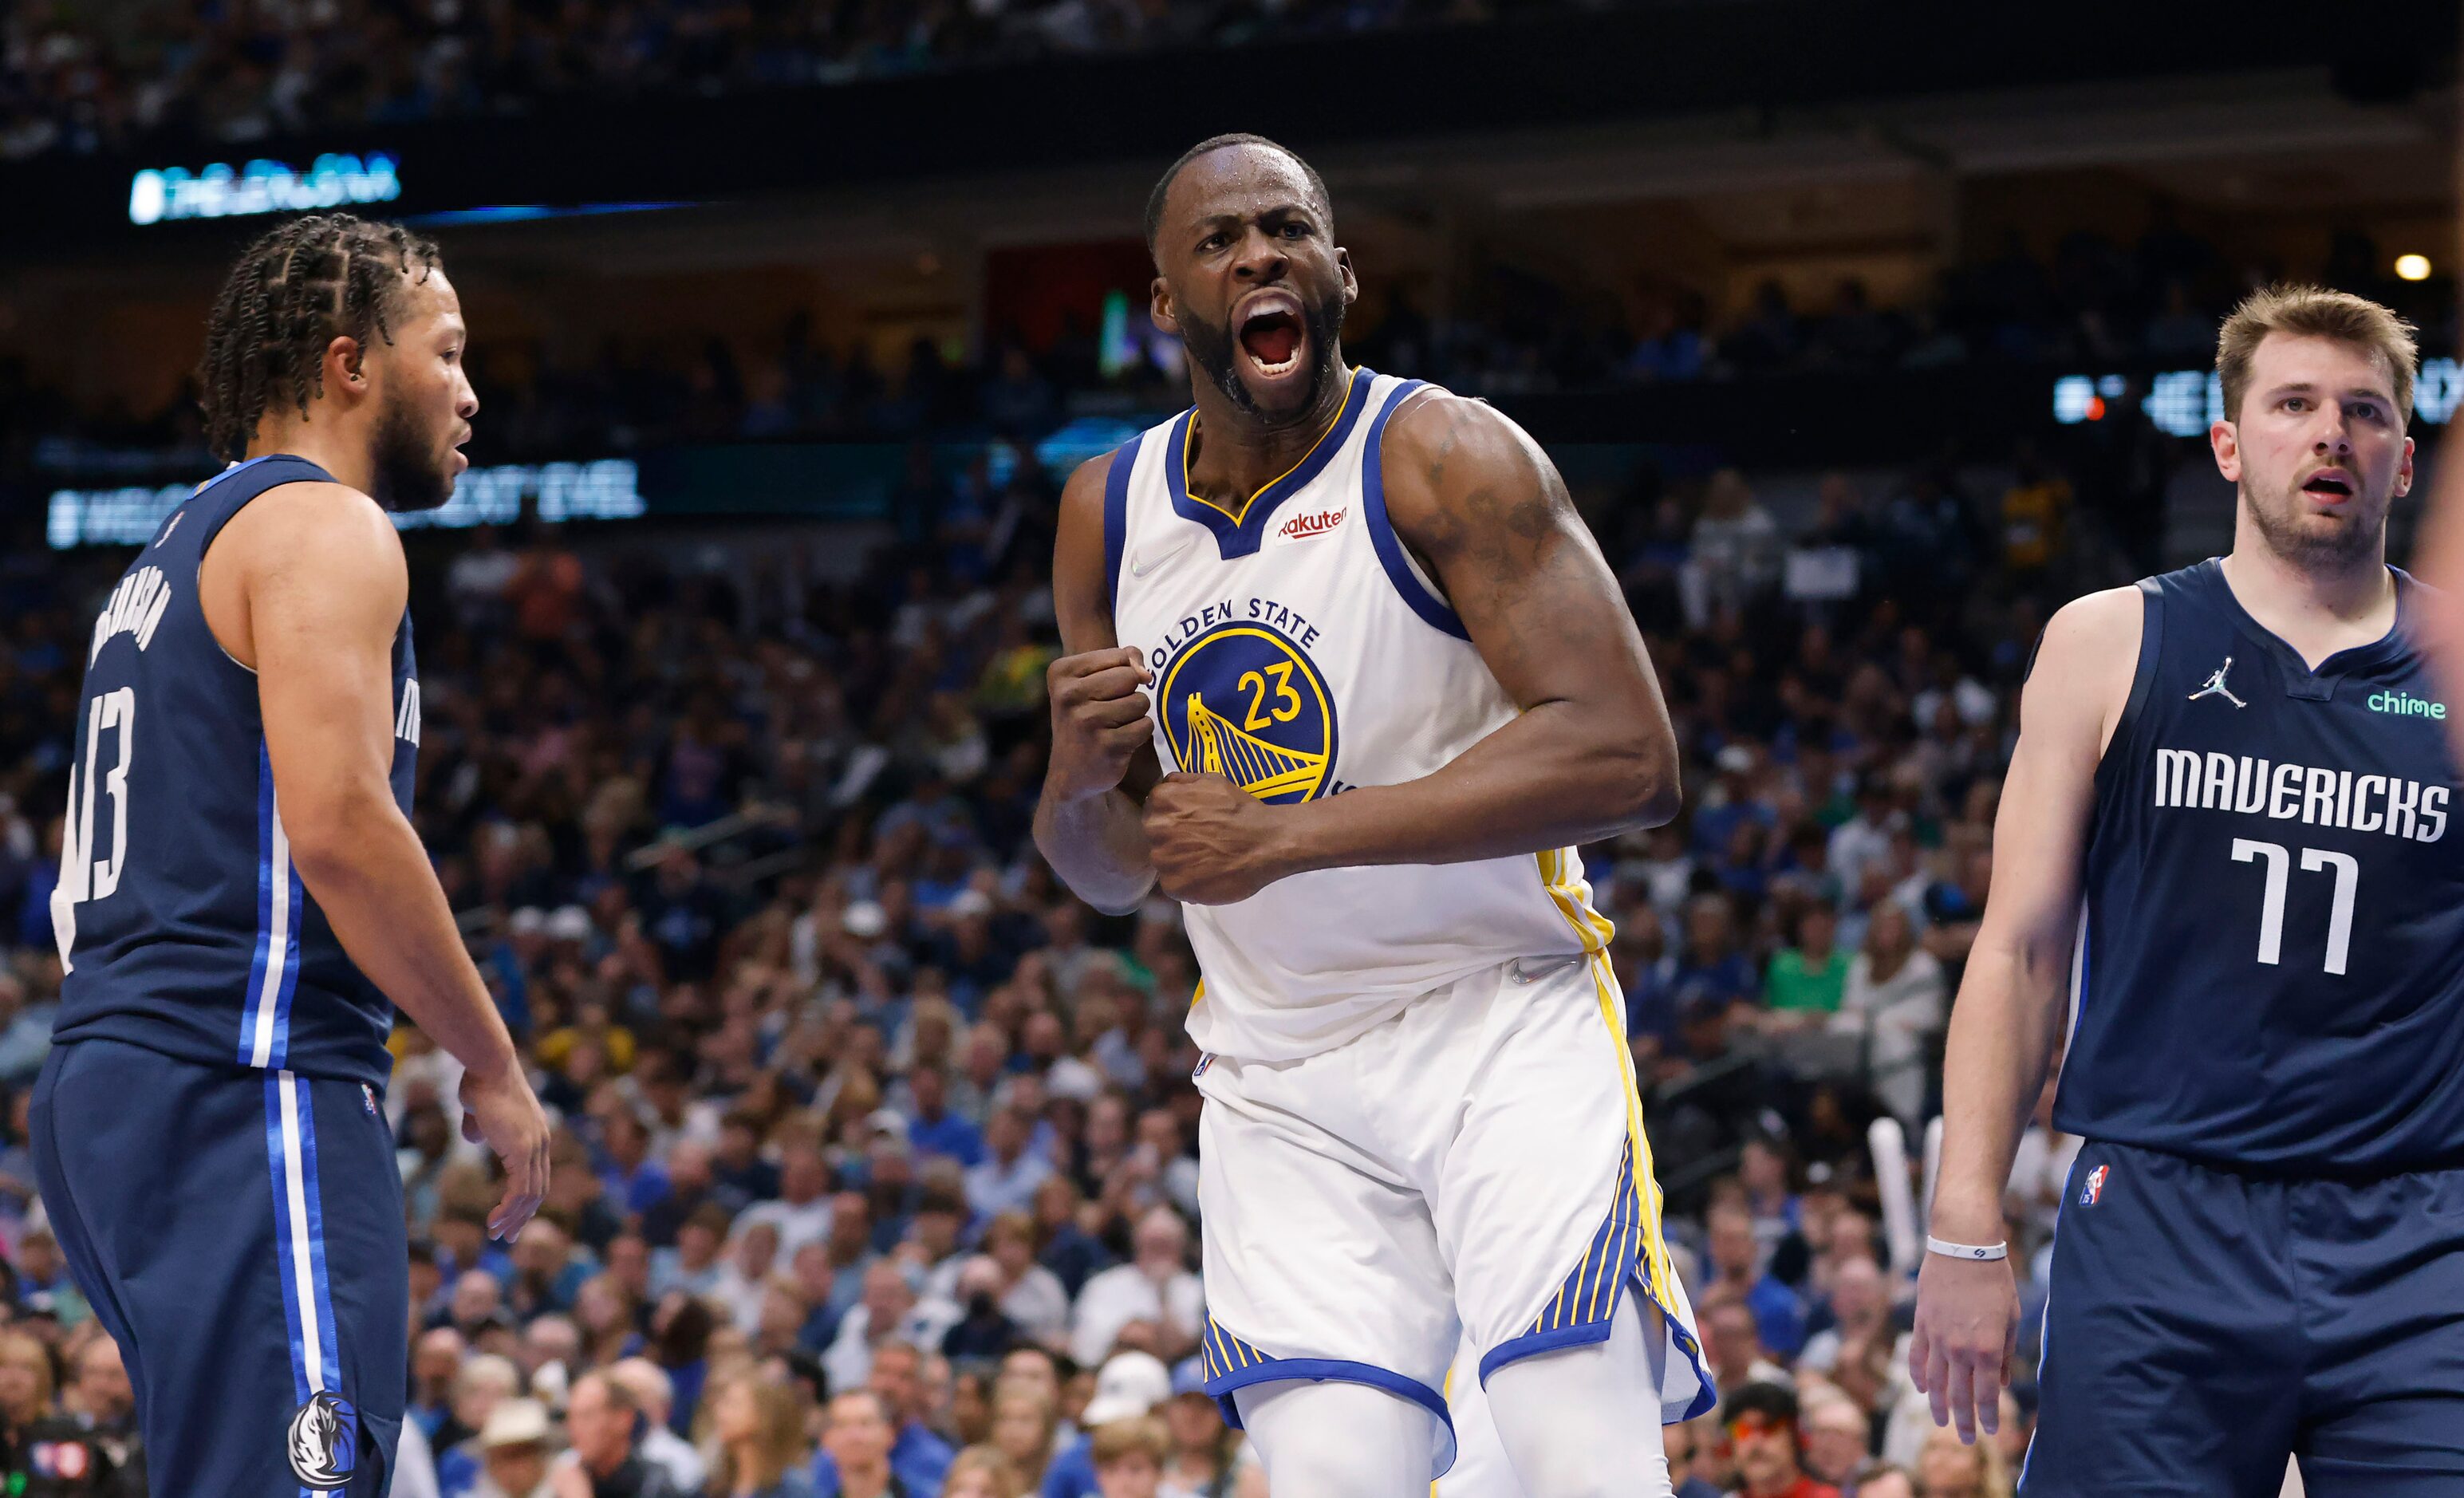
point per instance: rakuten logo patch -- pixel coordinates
(1308, 527)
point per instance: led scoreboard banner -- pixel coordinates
(2184, 403)
(158, 195)
(607, 490)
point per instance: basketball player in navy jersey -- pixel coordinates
(2229, 821)
(242, 900)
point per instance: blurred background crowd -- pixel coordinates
(874, 1159)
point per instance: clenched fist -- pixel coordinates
(1212, 842)
(1099, 720)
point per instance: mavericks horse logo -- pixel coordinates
(324, 1441)
(1244, 702)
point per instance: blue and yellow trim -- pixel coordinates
(1239, 530)
(1231, 1364)
(1116, 515)
(1584, 1304)
(1433, 611)
(1561, 874)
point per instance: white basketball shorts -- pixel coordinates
(1474, 1168)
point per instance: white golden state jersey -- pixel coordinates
(1299, 649)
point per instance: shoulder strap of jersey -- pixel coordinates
(1116, 515)
(1424, 600)
(210, 508)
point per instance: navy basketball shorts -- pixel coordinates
(240, 1232)
(2203, 1324)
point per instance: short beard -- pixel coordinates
(1212, 349)
(403, 473)
(2351, 546)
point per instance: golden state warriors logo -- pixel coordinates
(1241, 701)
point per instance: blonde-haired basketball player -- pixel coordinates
(1347, 675)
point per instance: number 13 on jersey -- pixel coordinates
(83, 876)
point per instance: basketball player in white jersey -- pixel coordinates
(1347, 675)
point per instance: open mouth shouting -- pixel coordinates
(2330, 485)
(1273, 337)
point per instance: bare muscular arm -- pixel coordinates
(1088, 819)
(306, 586)
(2012, 1000)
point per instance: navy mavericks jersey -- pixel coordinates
(2269, 971)
(179, 914)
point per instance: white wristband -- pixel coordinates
(1978, 1253)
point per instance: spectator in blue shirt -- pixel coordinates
(934, 1130)
(1736, 1260)
(1006, 1180)
(918, 1459)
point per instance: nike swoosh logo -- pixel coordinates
(1140, 566)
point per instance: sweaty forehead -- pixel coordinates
(1244, 179)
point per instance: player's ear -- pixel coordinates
(1351, 278)
(345, 365)
(2225, 439)
(1159, 308)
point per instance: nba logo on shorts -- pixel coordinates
(2093, 1192)
(369, 1099)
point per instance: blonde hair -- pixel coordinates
(2299, 311)
(1118, 1439)
(777, 1432)
(989, 1460)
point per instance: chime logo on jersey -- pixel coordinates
(2093, 1192)
(1241, 700)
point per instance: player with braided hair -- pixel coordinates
(242, 900)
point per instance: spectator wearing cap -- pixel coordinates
(1128, 1388)
(654, 1395)
(1129, 1456)
(857, 1443)
(1005, 1180)
(1155, 1286)
(933, 1129)
(1762, 1430)
(1204, 1447)
(758, 1429)
(514, 1452)
(485, 1383)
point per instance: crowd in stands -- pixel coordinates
(875, 1159)
(83, 79)
(2094, 305)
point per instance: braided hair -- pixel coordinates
(297, 289)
